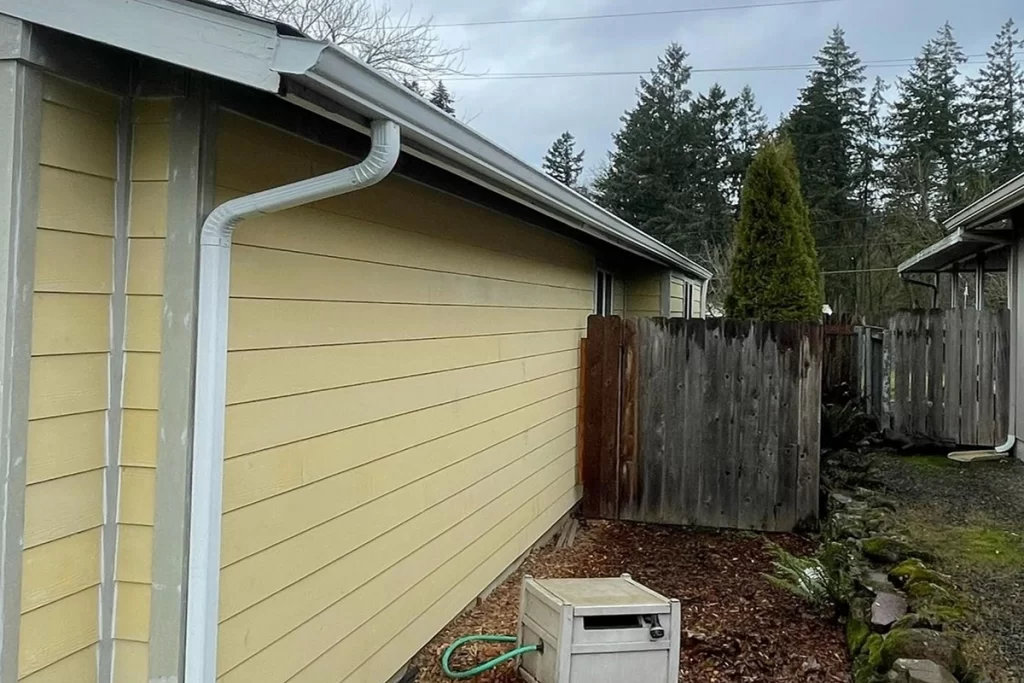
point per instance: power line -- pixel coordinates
(512, 76)
(623, 15)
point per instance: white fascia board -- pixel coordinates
(344, 79)
(990, 207)
(220, 43)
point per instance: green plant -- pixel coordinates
(774, 274)
(824, 579)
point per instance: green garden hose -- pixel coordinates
(488, 665)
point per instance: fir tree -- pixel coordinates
(441, 98)
(710, 213)
(774, 273)
(648, 179)
(927, 165)
(997, 110)
(562, 162)
(413, 85)
(750, 126)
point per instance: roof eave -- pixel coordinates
(989, 208)
(333, 73)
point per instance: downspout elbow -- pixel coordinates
(385, 145)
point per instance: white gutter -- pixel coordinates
(990, 207)
(211, 379)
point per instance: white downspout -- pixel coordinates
(203, 585)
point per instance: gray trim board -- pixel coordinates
(115, 369)
(21, 97)
(189, 198)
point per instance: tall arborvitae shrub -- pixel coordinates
(774, 274)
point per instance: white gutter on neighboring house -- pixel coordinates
(211, 379)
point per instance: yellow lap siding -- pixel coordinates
(80, 666)
(143, 323)
(135, 553)
(131, 664)
(136, 503)
(74, 202)
(73, 262)
(148, 213)
(78, 141)
(58, 630)
(64, 385)
(254, 426)
(56, 570)
(70, 323)
(139, 433)
(66, 445)
(402, 390)
(62, 507)
(141, 381)
(369, 516)
(272, 373)
(132, 612)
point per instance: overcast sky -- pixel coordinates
(525, 116)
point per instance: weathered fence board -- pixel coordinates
(948, 373)
(718, 422)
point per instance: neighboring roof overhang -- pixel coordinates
(992, 207)
(254, 53)
(961, 250)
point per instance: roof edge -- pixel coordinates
(990, 207)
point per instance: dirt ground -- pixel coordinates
(972, 518)
(737, 627)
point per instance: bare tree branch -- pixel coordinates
(395, 43)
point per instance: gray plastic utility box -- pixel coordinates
(598, 631)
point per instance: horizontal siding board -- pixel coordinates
(55, 570)
(74, 95)
(63, 507)
(403, 513)
(131, 662)
(70, 324)
(79, 667)
(148, 209)
(151, 148)
(141, 381)
(58, 630)
(266, 273)
(253, 477)
(292, 651)
(408, 625)
(137, 495)
(131, 621)
(256, 426)
(65, 445)
(74, 263)
(262, 324)
(143, 326)
(145, 266)
(643, 304)
(78, 141)
(139, 433)
(75, 202)
(272, 373)
(134, 553)
(63, 385)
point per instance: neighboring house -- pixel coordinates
(307, 451)
(988, 236)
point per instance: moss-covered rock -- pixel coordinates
(867, 667)
(917, 643)
(916, 620)
(922, 595)
(913, 571)
(857, 632)
(891, 550)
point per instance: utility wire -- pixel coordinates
(511, 76)
(623, 15)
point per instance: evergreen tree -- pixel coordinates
(710, 215)
(441, 98)
(562, 162)
(774, 274)
(997, 110)
(750, 126)
(413, 85)
(649, 177)
(927, 166)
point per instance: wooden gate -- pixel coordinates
(702, 422)
(947, 374)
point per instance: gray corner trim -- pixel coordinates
(666, 295)
(190, 198)
(20, 136)
(115, 373)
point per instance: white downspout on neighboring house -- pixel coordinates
(211, 379)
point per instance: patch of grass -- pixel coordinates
(933, 462)
(986, 546)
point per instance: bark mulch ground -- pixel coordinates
(971, 517)
(737, 627)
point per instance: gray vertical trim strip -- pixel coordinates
(666, 295)
(20, 136)
(190, 197)
(112, 474)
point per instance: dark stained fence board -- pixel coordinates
(628, 465)
(789, 427)
(592, 415)
(651, 402)
(710, 435)
(691, 448)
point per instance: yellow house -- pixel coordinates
(289, 357)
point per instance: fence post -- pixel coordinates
(886, 402)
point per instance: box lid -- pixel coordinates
(591, 597)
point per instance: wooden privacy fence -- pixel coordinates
(853, 362)
(947, 375)
(702, 422)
